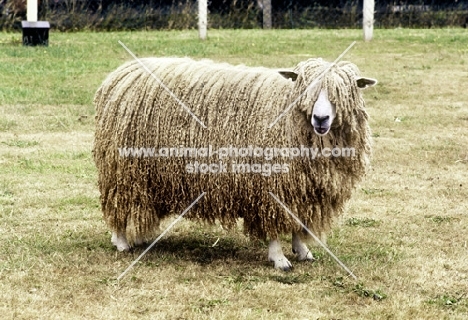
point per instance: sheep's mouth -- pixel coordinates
(321, 131)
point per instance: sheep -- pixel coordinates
(236, 105)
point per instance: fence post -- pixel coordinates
(368, 19)
(35, 33)
(31, 11)
(202, 18)
(266, 14)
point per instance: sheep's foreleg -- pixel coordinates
(300, 248)
(275, 254)
(120, 241)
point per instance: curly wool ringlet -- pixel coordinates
(237, 104)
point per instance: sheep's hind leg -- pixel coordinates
(275, 254)
(300, 248)
(120, 241)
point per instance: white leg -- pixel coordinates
(300, 248)
(275, 254)
(120, 241)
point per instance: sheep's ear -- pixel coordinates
(289, 75)
(365, 82)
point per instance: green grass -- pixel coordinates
(404, 233)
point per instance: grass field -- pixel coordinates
(404, 234)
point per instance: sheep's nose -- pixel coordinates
(320, 119)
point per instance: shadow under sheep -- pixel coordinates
(205, 249)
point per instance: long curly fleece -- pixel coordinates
(237, 104)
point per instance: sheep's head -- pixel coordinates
(322, 99)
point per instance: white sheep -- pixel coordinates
(237, 104)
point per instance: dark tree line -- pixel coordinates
(223, 6)
(181, 14)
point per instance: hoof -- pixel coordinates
(308, 257)
(283, 264)
(123, 247)
(120, 241)
(275, 254)
(300, 249)
(286, 268)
